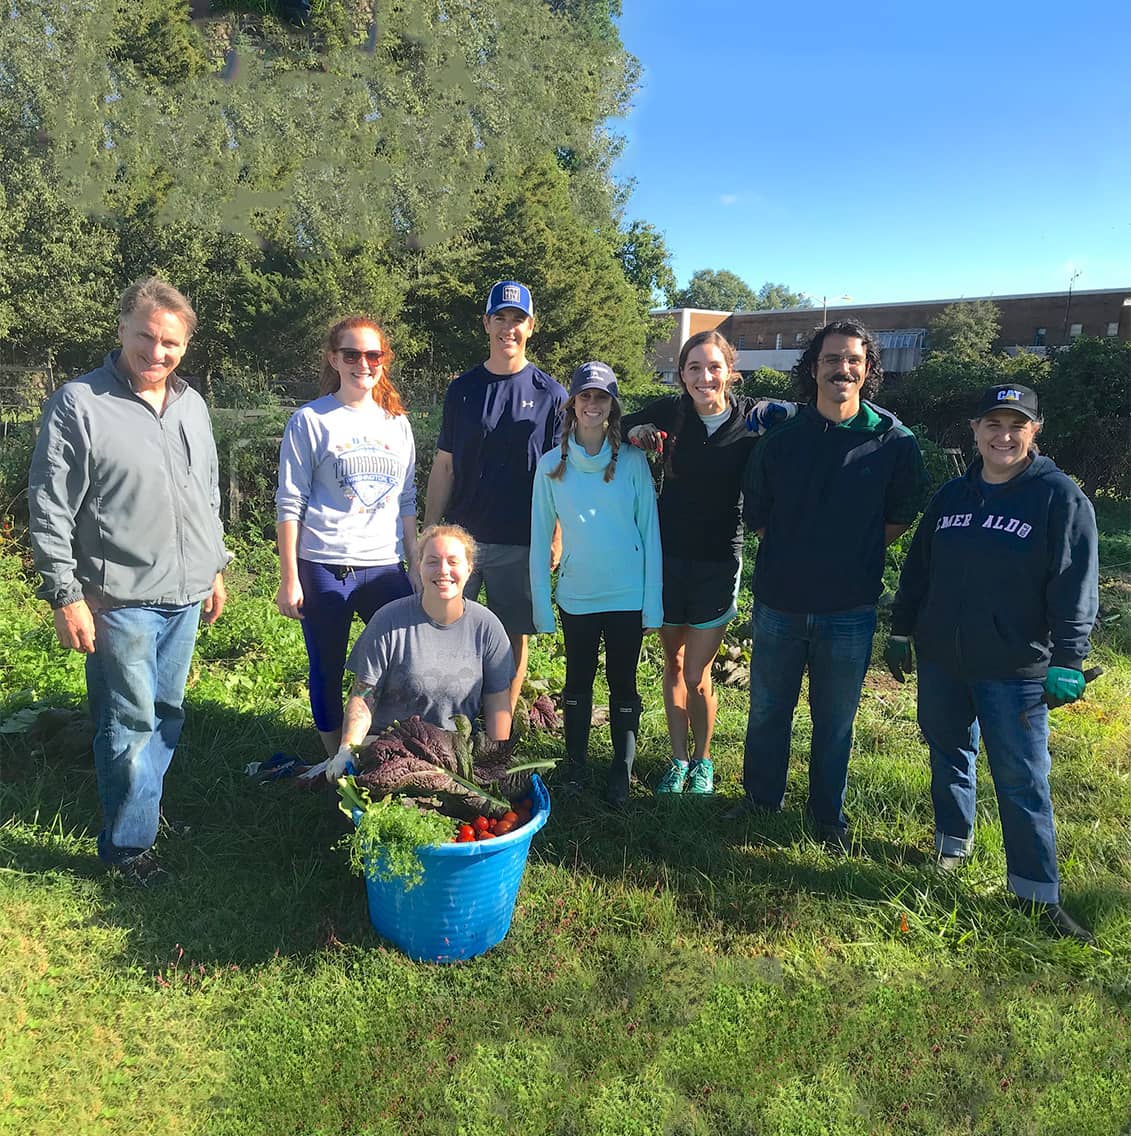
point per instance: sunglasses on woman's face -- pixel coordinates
(351, 355)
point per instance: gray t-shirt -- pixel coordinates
(419, 667)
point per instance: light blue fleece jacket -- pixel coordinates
(611, 559)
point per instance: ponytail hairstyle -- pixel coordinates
(612, 432)
(384, 393)
(716, 339)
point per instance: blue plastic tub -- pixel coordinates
(464, 904)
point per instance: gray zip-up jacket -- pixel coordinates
(125, 502)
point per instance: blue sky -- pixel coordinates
(888, 151)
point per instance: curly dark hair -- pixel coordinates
(804, 383)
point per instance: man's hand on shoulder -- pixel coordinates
(214, 604)
(74, 626)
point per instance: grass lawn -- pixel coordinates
(667, 972)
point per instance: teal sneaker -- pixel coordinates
(674, 778)
(701, 776)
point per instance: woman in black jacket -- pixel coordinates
(999, 593)
(705, 434)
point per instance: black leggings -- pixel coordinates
(623, 632)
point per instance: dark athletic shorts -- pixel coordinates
(504, 570)
(700, 593)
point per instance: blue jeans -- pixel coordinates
(1014, 723)
(135, 682)
(836, 647)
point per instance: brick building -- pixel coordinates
(1035, 322)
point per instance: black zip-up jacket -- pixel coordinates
(823, 493)
(1001, 581)
(700, 506)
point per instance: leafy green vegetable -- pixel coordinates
(385, 843)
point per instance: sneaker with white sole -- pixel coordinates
(701, 777)
(674, 778)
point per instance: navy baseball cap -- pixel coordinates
(510, 294)
(1007, 396)
(594, 376)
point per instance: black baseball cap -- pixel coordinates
(1008, 396)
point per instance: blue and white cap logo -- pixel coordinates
(1008, 395)
(510, 294)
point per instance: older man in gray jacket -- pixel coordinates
(125, 527)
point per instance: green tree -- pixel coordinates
(1087, 418)
(941, 393)
(294, 175)
(526, 229)
(965, 330)
(777, 297)
(719, 291)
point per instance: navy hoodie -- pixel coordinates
(823, 494)
(1002, 580)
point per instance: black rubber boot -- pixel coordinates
(577, 714)
(624, 723)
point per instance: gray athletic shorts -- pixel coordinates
(505, 570)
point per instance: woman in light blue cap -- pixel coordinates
(610, 575)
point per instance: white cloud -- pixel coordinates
(728, 199)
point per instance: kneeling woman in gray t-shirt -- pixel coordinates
(436, 654)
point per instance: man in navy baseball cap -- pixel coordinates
(500, 417)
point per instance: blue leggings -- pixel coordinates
(330, 596)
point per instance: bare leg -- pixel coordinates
(675, 691)
(519, 650)
(331, 740)
(700, 648)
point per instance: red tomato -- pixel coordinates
(468, 839)
(486, 836)
(492, 823)
(465, 830)
(511, 816)
(527, 803)
(479, 824)
(503, 827)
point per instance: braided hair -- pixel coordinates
(612, 433)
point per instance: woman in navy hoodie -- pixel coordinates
(999, 593)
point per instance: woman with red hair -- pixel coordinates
(345, 508)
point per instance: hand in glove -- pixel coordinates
(899, 657)
(337, 765)
(648, 438)
(1063, 685)
(768, 412)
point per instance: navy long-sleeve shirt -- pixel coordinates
(823, 493)
(1001, 581)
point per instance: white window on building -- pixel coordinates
(742, 343)
(1113, 329)
(777, 342)
(799, 337)
(1075, 330)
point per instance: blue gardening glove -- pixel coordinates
(1063, 685)
(768, 412)
(899, 657)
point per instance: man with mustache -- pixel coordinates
(826, 492)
